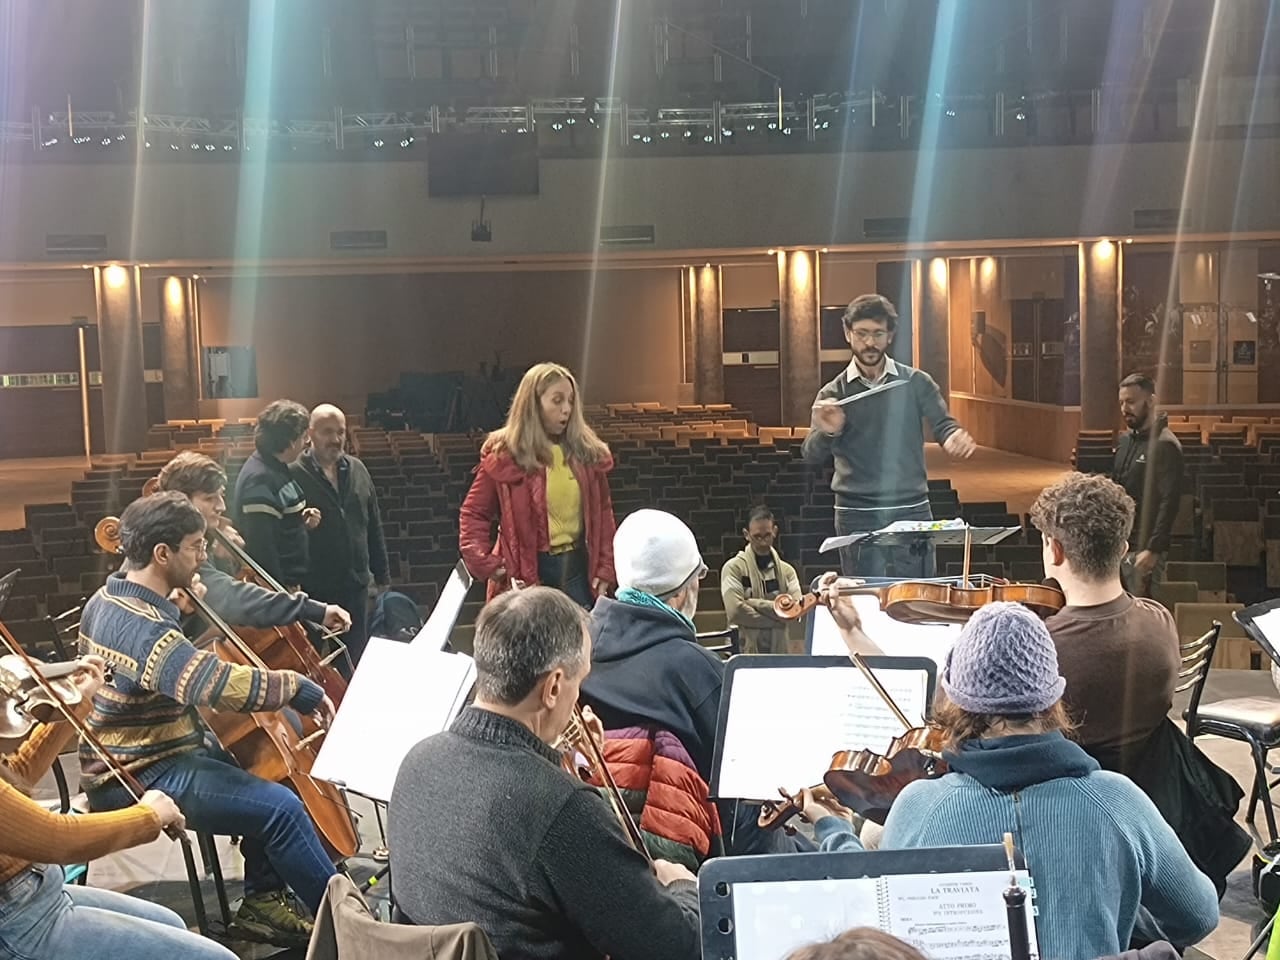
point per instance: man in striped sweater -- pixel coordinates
(147, 717)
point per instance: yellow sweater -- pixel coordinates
(32, 834)
(564, 503)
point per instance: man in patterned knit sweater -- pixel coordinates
(147, 717)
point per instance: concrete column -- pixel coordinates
(933, 327)
(1099, 334)
(178, 349)
(124, 397)
(801, 372)
(708, 337)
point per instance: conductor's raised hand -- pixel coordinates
(311, 517)
(960, 445)
(828, 416)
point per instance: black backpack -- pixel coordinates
(396, 617)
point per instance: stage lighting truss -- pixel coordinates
(809, 119)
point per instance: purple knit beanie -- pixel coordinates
(1003, 663)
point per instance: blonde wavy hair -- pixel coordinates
(525, 439)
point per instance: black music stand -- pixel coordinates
(720, 879)
(919, 540)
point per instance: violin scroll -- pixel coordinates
(106, 533)
(789, 608)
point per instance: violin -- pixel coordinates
(776, 814)
(939, 600)
(869, 782)
(584, 759)
(25, 702)
(942, 600)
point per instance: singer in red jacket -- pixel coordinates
(544, 478)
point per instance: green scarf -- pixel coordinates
(639, 599)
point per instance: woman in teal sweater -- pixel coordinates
(1103, 860)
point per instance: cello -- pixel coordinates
(284, 647)
(265, 744)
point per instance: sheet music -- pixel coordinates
(898, 526)
(436, 631)
(954, 916)
(785, 724)
(932, 640)
(1268, 624)
(399, 695)
(772, 919)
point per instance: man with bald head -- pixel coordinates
(346, 547)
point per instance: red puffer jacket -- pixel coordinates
(502, 491)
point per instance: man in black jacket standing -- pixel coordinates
(877, 443)
(347, 550)
(271, 512)
(1148, 464)
(488, 827)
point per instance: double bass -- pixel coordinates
(266, 744)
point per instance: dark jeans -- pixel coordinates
(279, 842)
(914, 561)
(567, 572)
(355, 603)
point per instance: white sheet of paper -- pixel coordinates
(932, 640)
(435, 632)
(398, 696)
(954, 916)
(774, 918)
(785, 724)
(1268, 624)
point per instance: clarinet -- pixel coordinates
(1015, 905)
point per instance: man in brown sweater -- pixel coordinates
(1119, 653)
(1120, 657)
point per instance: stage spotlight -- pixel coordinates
(751, 128)
(557, 126)
(665, 135)
(688, 134)
(726, 133)
(646, 139)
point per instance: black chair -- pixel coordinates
(1251, 720)
(729, 645)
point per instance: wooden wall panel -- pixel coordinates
(1035, 430)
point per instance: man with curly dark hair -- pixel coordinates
(1120, 656)
(1119, 653)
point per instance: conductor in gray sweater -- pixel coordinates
(878, 443)
(487, 827)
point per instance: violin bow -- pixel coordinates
(126, 779)
(876, 685)
(620, 807)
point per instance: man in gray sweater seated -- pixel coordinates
(486, 826)
(877, 443)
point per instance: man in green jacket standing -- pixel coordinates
(749, 582)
